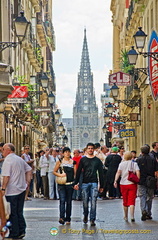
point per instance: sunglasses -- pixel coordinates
(27, 148)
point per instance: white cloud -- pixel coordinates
(69, 22)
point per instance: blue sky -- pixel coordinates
(70, 17)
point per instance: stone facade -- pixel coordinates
(127, 17)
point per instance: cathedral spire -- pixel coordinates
(85, 63)
(85, 110)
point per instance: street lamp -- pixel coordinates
(44, 80)
(132, 56)
(57, 115)
(106, 117)
(140, 38)
(128, 102)
(61, 127)
(104, 128)
(21, 25)
(65, 140)
(51, 98)
(114, 90)
(101, 141)
(110, 108)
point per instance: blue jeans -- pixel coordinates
(52, 185)
(89, 190)
(16, 216)
(65, 197)
(146, 196)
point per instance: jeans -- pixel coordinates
(65, 196)
(16, 216)
(52, 185)
(89, 190)
(146, 196)
(39, 185)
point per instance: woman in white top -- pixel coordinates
(128, 188)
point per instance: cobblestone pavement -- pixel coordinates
(42, 217)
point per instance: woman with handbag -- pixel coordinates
(65, 171)
(128, 188)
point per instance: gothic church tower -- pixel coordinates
(85, 110)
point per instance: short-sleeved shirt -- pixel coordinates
(125, 166)
(15, 167)
(51, 162)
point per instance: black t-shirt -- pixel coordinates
(90, 167)
(148, 166)
(154, 154)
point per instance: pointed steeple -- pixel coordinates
(85, 110)
(85, 63)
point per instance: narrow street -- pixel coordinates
(42, 216)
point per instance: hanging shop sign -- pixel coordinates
(16, 100)
(19, 92)
(44, 121)
(127, 133)
(120, 79)
(153, 65)
(42, 109)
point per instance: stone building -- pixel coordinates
(85, 110)
(27, 62)
(127, 17)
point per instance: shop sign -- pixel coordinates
(153, 65)
(127, 133)
(19, 92)
(120, 79)
(42, 109)
(16, 100)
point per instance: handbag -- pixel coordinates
(151, 182)
(132, 175)
(61, 180)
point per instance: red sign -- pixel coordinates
(19, 92)
(120, 79)
(153, 65)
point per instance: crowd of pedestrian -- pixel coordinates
(93, 173)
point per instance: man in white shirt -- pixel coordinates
(52, 159)
(16, 175)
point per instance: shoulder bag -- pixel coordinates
(61, 180)
(132, 175)
(151, 182)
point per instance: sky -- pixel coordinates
(70, 17)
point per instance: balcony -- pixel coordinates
(5, 86)
(41, 30)
(50, 34)
(33, 50)
(36, 5)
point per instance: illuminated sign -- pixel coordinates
(153, 65)
(127, 133)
